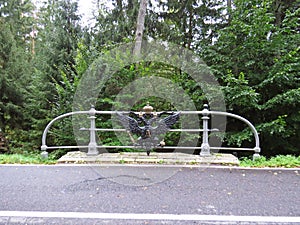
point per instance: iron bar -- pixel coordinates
(172, 130)
(158, 148)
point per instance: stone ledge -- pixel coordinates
(78, 157)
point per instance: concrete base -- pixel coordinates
(154, 158)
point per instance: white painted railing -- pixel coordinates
(205, 147)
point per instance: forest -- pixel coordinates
(252, 48)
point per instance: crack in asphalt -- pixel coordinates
(95, 184)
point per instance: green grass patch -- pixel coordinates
(286, 161)
(24, 159)
(161, 162)
(122, 161)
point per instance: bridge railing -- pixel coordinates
(204, 148)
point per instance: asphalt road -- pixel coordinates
(141, 192)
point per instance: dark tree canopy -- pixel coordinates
(252, 47)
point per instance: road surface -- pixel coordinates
(121, 194)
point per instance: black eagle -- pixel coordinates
(149, 134)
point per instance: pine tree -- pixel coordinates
(59, 33)
(15, 57)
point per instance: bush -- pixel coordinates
(287, 161)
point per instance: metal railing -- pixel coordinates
(205, 147)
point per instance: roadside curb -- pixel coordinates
(199, 166)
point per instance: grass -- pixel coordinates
(285, 161)
(24, 159)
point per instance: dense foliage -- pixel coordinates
(252, 47)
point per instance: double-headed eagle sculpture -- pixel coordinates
(149, 127)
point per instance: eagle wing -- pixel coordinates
(130, 124)
(166, 123)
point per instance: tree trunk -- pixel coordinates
(229, 8)
(278, 13)
(140, 27)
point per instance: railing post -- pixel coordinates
(92, 147)
(256, 154)
(205, 148)
(44, 153)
